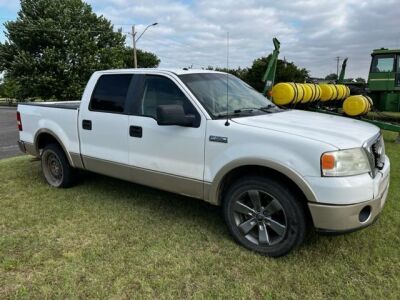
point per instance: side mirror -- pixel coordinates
(173, 114)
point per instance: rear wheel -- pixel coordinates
(55, 166)
(264, 216)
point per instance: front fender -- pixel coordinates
(212, 190)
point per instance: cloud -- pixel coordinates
(312, 32)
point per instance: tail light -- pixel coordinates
(19, 122)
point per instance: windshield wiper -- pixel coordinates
(244, 110)
(236, 112)
(269, 108)
(266, 108)
(248, 110)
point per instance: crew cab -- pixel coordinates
(209, 135)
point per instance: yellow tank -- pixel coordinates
(319, 92)
(357, 105)
(347, 91)
(335, 91)
(300, 92)
(312, 92)
(284, 93)
(341, 92)
(328, 92)
(308, 93)
(312, 88)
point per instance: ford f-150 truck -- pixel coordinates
(209, 135)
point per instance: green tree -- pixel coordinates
(10, 89)
(239, 72)
(285, 72)
(332, 76)
(360, 79)
(54, 46)
(145, 59)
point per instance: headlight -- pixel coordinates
(345, 162)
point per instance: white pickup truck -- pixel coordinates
(208, 135)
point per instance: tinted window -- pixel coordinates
(382, 63)
(159, 90)
(110, 93)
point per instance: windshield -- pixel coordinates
(211, 90)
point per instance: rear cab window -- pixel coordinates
(110, 93)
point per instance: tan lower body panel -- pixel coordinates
(167, 182)
(345, 217)
(76, 160)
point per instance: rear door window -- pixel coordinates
(110, 93)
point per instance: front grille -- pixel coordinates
(375, 149)
(378, 150)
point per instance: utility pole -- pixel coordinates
(134, 47)
(135, 40)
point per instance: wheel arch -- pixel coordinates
(44, 137)
(214, 192)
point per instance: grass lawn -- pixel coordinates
(106, 238)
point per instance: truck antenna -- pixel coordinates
(227, 79)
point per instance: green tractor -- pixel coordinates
(384, 80)
(383, 87)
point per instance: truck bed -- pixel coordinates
(57, 118)
(63, 104)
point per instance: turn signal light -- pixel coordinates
(327, 161)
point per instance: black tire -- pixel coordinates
(273, 228)
(56, 168)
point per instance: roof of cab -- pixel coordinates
(144, 70)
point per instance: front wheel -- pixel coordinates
(264, 216)
(56, 168)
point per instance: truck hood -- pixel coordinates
(340, 132)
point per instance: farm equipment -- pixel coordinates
(376, 102)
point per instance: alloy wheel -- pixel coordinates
(260, 217)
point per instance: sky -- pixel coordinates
(312, 32)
